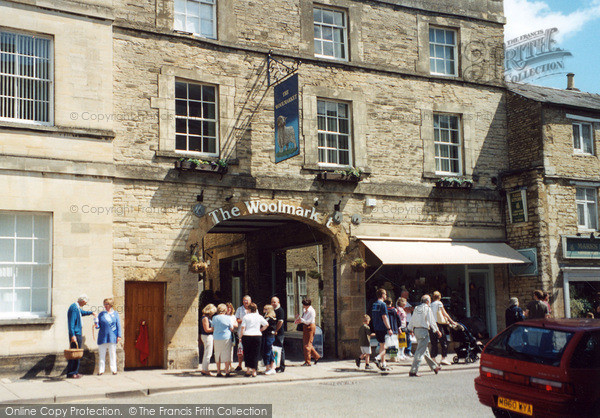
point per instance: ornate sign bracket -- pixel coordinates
(278, 70)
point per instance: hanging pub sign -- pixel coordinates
(517, 206)
(287, 137)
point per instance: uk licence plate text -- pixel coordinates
(515, 406)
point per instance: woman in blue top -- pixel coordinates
(109, 334)
(222, 338)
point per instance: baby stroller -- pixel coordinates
(469, 347)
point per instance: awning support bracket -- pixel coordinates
(374, 273)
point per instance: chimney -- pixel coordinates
(571, 82)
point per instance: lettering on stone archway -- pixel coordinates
(271, 207)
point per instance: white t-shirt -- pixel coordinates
(239, 314)
(435, 307)
(252, 323)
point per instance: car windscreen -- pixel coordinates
(532, 344)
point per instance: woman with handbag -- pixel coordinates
(309, 327)
(443, 320)
(268, 338)
(110, 333)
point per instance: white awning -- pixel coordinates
(403, 251)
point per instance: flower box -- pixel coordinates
(454, 183)
(201, 166)
(343, 177)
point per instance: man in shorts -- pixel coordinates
(381, 326)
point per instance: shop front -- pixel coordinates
(470, 275)
(581, 276)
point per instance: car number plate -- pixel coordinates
(515, 406)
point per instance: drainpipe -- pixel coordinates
(335, 309)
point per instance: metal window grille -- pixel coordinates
(587, 208)
(442, 51)
(446, 129)
(25, 77)
(197, 17)
(330, 33)
(25, 264)
(333, 132)
(196, 118)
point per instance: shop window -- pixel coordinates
(333, 127)
(587, 208)
(196, 118)
(330, 33)
(442, 51)
(25, 264)
(447, 141)
(582, 138)
(26, 78)
(197, 17)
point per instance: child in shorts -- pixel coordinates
(364, 341)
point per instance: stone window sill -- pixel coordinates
(315, 168)
(61, 130)
(27, 321)
(177, 155)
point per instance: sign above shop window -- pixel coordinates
(517, 206)
(581, 247)
(526, 269)
(287, 138)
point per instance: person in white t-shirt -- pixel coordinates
(252, 327)
(239, 315)
(443, 320)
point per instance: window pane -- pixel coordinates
(328, 17)
(431, 35)
(581, 194)
(179, 6)
(7, 225)
(195, 143)
(195, 127)
(6, 300)
(591, 195)
(344, 158)
(6, 276)
(192, 25)
(581, 214)
(180, 142)
(209, 129)
(39, 300)
(450, 37)
(24, 251)
(321, 123)
(22, 300)
(41, 226)
(327, 33)
(208, 110)
(208, 94)
(318, 15)
(332, 124)
(592, 216)
(181, 126)
(41, 251)
(180, 90)
(195, 92)
(7, 252)
(23, 276)
(195, 109)
(180, 108)
(586, 136)
(332, 156)
(24, 225)
(210, 145)
(40, 276)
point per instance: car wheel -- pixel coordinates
(500, 413)
(455, 360)
(468, 360)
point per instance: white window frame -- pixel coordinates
(581, 148)
(290, 294)
(585, 203)
(15, 264)
(49, 80)
(455, 51)
(186, 16)
(337, 133)
(334, 27)
(200, 119)
(459, 146)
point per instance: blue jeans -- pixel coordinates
(408, 348)
(279, 343)
(267, 349)
(73, 365)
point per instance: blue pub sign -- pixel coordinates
(287, 133)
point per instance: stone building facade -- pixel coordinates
(56, 239)
(409, 94)
(553, 139)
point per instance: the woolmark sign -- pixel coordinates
(269, 207)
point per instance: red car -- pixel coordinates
(544, 367)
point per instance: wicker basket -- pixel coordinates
(74, 353)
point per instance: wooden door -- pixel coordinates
(145, 301)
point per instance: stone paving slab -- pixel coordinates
(145, 382)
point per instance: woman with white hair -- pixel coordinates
(513, 313)
(110, 333)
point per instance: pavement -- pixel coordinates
(58, 389)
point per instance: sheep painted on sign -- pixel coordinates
(286, 136)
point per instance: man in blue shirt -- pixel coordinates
(381, 326)
(74, 315)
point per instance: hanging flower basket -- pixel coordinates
(197, 267)
(358, 264)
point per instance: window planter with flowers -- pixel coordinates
(193, 164)
(454, 183)
(350, 175)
